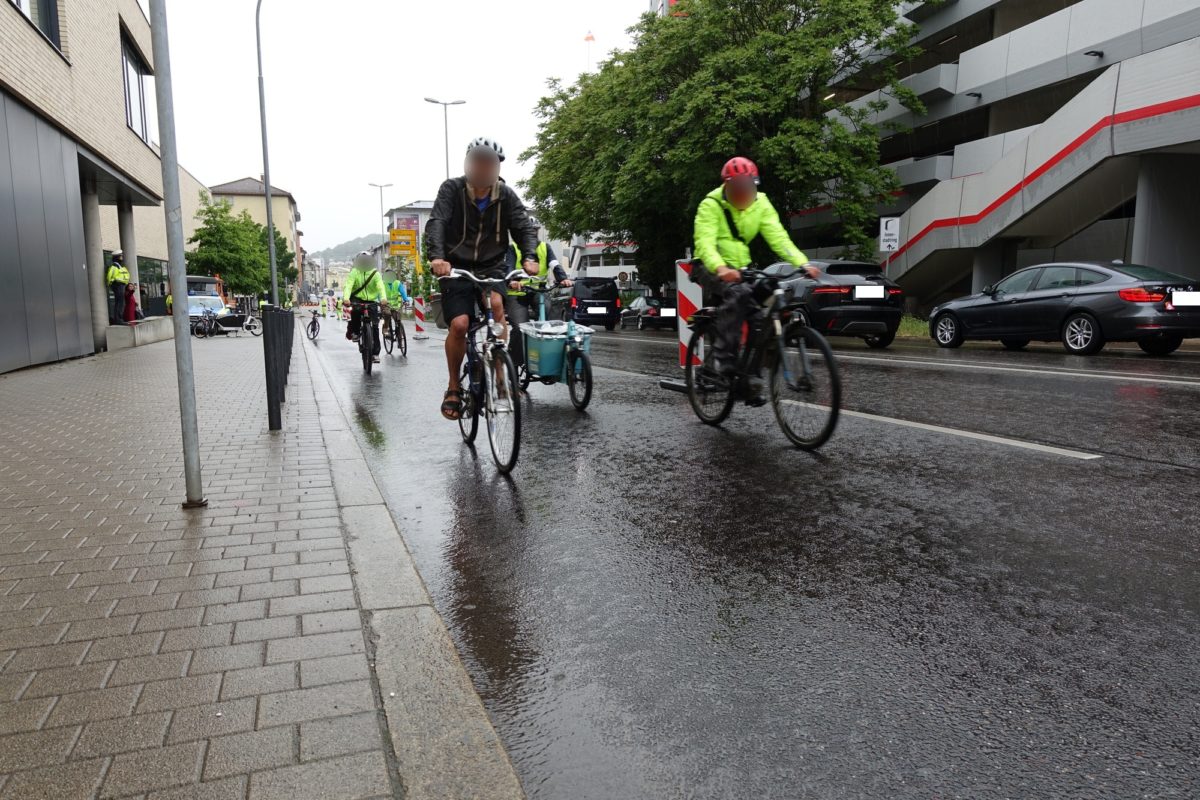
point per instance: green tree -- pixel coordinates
(229, 246)
(235, 247)
(285, 269)
(628, 152)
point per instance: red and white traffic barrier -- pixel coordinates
(419, 318)
(690, 299)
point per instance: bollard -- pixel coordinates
(271, 365)
(419, 318)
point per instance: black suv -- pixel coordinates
(592, 301)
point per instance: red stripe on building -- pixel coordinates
(1133, 115)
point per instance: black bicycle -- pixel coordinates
(805, 389)
(367, 331)
(205, 325)
(313, 329)
(393, 333)
(489, 378)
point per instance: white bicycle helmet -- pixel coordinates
(364, 256)
(490, 144)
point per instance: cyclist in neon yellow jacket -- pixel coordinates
(728, 219)
(363, 284)
(397, 297)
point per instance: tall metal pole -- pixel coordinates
(262, 111)
(382, 224)
(446, 124)
(174, 216)
(446, 134)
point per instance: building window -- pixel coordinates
(141, 110)
(44, 15)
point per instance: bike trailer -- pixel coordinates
(546, 343)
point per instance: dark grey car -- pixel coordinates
(1081, 304)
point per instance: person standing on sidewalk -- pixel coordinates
(117, 279)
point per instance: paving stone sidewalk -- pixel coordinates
(148, 651)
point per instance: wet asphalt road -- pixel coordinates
(652, 608)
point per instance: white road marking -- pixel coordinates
(1053, 372)
(983, 437)
(959, 432)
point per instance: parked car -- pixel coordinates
(1081, 304)
(650, 312)
(851, 298)
(591, 301)
(198, 304)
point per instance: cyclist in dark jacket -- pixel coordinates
(469, 228)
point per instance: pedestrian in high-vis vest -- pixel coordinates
(117, 279)
(519, 305)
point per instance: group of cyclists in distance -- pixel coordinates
(479, 224)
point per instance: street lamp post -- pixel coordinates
(262, 111)
(382, 224)
(445, 124)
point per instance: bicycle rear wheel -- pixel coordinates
(806, 389)
(579, 378)
(503, 409)
(254, 326)
(711, 395)
(389, 340)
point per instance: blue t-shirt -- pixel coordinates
(482, 203)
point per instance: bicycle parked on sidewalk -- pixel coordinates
(313, 329)
(489, 377)
(804, 386)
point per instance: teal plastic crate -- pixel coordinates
(546, 343)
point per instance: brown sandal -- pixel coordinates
(452, 408)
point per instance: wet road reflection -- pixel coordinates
(652, 608)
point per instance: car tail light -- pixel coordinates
(1140, 295)
(618, 302)
(651, 312)
(574, 302)
(894, 292)
(832, 290)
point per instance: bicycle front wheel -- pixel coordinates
(503, 409)
(579, 378)
(806, 389)
(389, 340)
(710, 393)
(254, 326)
(402, 340)
(313, 329)
(366, 345)
(468, 418)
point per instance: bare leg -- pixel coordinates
(456, 348)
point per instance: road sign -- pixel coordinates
(889, 234)
(623, 277)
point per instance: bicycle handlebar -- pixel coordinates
(471, 276)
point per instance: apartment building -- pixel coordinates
(249, 194)
(80, 174)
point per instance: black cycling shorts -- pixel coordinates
(461, 297)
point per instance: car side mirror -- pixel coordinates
(990, 291)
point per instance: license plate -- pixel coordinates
(1185, 298)
(668, 312)
(597, 310)
(869, 292)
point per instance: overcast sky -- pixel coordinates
(345, 85)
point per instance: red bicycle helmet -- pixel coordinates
(739, 167)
